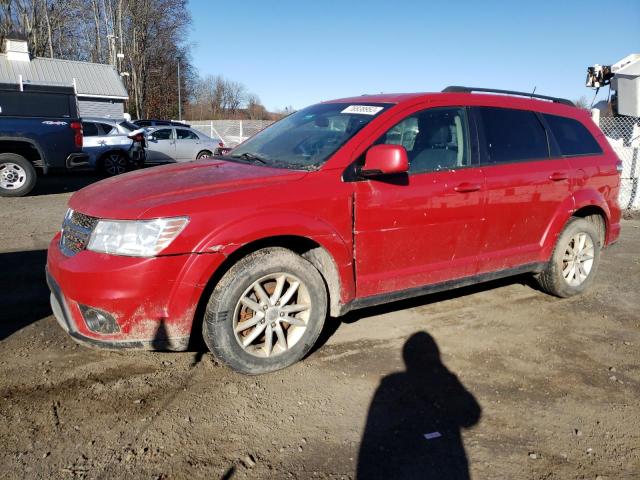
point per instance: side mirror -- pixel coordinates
(385, 160)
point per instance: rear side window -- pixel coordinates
(183, 134)
(572, 136)
(513, 135)
(34, 104)
(90, 129)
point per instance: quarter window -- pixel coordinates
(435, 139)
(513, 135)
(573, 138)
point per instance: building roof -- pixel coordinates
(92, 79)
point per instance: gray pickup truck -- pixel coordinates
(40, 129)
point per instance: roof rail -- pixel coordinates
(458, 89)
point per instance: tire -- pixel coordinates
(17, 175)
(559, 278)
(114, 163)
(202, 154)
(225, 310)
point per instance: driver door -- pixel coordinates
(424, 228)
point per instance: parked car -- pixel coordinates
(158, 123)
(110, 146)
(39, 128)
(178, 144)
(342, 205)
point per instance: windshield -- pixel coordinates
(306, 139)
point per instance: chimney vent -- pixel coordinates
(17, 50)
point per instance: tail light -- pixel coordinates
(221, 144)
(77, 127)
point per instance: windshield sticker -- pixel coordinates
(362, 109)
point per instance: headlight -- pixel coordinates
(136, 238)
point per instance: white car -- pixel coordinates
(178, 144)
(108, 144)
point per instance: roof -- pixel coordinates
(92, 79)
(462, 98)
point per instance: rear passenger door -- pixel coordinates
(187, 145)
(525, 186)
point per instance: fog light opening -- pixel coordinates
(99, 321)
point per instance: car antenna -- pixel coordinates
(534, 91)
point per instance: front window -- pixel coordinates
(306, 139)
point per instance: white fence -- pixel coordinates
(231, 132)
(623, 134)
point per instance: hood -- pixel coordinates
(157, 191)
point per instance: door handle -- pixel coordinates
(467, 187)
(558, 176)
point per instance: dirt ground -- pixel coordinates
(508, 382)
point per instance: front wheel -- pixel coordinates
(17, 175)
(266, 312)
(574, 261)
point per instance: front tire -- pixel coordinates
(17, 175)
(574, 261)
(266, 312)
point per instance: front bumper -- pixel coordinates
(153, 300)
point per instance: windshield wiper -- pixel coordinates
(252, 157)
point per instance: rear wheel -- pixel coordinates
(574, 261)
(17, 175)
(114, 163)
(266, 312)
(203, 154)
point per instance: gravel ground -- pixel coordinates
(506, 381)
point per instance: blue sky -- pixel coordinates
(302, 52)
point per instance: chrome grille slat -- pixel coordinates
(76, 231)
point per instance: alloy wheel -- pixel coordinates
(272, 315)
(577, 260)
(115, 164)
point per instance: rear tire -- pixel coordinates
(114, 163)
(17, 175)
(266, 312)
(574, 261)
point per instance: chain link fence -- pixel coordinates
(231, 132)
(623, 134)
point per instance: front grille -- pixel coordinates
(76, 231)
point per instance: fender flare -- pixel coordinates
(34, 143)
(587, 197)
(227, 238)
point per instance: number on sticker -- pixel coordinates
(362, 109)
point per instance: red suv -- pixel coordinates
(345, 204)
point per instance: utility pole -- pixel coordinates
(179, 93)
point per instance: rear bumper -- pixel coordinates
(77, 160)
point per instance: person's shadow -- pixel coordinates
(415, 418)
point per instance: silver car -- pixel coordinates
(106, 142)
(178, 144)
